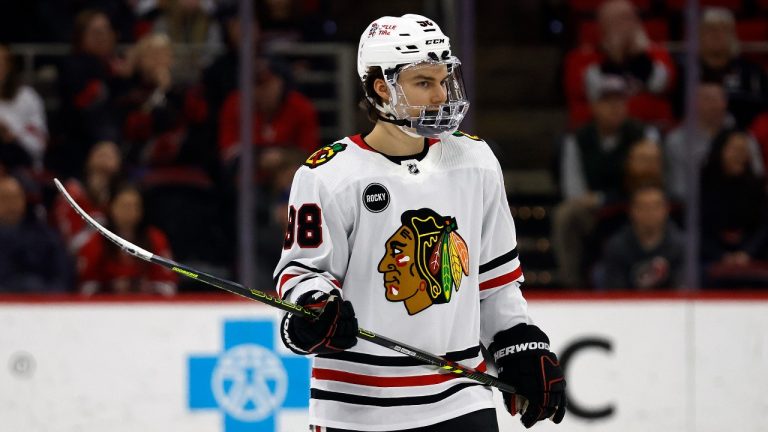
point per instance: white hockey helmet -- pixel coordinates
(394, 44)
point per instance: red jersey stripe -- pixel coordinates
(377, 381)
(358, 139)
(283, 279)
(501, 280)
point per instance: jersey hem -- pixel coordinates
(401, 426)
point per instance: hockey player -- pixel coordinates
(410, 224)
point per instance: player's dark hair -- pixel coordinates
(371, 111)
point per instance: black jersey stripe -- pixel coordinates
(400, 361)
(388, 402)
(498, 261)
(295, 264)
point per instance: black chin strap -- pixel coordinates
(398, 122)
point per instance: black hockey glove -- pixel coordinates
(524, 360)
(334, 329)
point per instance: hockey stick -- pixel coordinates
(263, 297)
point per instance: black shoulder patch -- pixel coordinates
(324, 154)
(459, 133)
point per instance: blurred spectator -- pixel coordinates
(745, 83)
(282, 117)
(648, 253)
(188, 23)
(23, 130)
(103, 267)
(592, 174)
(89, 79)
(284, 21)
(285, 131)
(92, 193)
(32, 258)
(734, 213)
(713, 117)
(221, 77)
(272, 209)
(626, 51)
(56, 18)
(163, 123)
(279, 20)
(643, 166)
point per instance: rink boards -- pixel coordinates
(666, 363)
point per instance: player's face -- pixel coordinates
(425, 86)
(398, 265)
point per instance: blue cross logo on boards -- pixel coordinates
(249, 382)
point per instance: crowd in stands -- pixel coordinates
(625, 170)
(152, 152)
(147, 142)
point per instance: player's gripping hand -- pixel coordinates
(334, 329)
(524, 360)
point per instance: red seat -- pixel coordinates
(657, 29)
(752, 30)
(651, 108)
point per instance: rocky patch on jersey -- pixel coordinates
(324, 154)
(375, 198)
(424, 260)
(472, 137)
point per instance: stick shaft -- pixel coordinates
(270, 300)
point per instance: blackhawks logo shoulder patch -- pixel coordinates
(459, 133)
(324, 154)
(424, 260)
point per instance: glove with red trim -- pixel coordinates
(524, 360)
(333, 329)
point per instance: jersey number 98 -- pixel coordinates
(305, 227)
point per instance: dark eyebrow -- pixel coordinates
(421, 77)
(394, 244)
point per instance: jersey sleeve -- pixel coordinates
(315, 248)
(501, 302)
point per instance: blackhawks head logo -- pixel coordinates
(424, 261)
(324, 154)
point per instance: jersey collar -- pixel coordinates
(359, 139)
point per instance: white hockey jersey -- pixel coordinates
(424, 247)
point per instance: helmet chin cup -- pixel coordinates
(411, 132)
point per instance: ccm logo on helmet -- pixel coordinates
(435, 41)
(520, 347)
